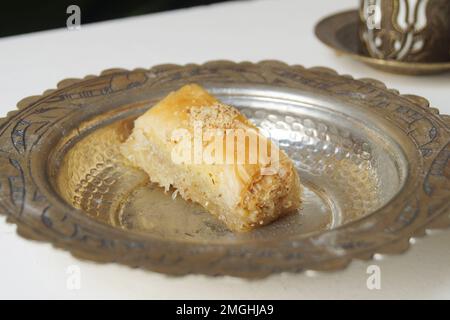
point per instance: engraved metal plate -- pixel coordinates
(375, 167)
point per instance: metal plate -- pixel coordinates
(374, 165)
(340, 33)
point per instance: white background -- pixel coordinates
(251, 30)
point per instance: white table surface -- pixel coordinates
(249, 30)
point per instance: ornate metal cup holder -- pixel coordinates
(340, 33)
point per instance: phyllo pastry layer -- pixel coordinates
(211, 154)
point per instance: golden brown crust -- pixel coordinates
(236, 192)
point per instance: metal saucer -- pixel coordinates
(340, 32)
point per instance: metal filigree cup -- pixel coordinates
(374, 165)
(340, 32)
(405, 30)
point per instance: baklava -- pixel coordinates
(210, 153)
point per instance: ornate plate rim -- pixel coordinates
(166, 257)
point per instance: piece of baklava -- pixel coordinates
(211, 154)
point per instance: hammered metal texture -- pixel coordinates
(375, 167)
(340, 182)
